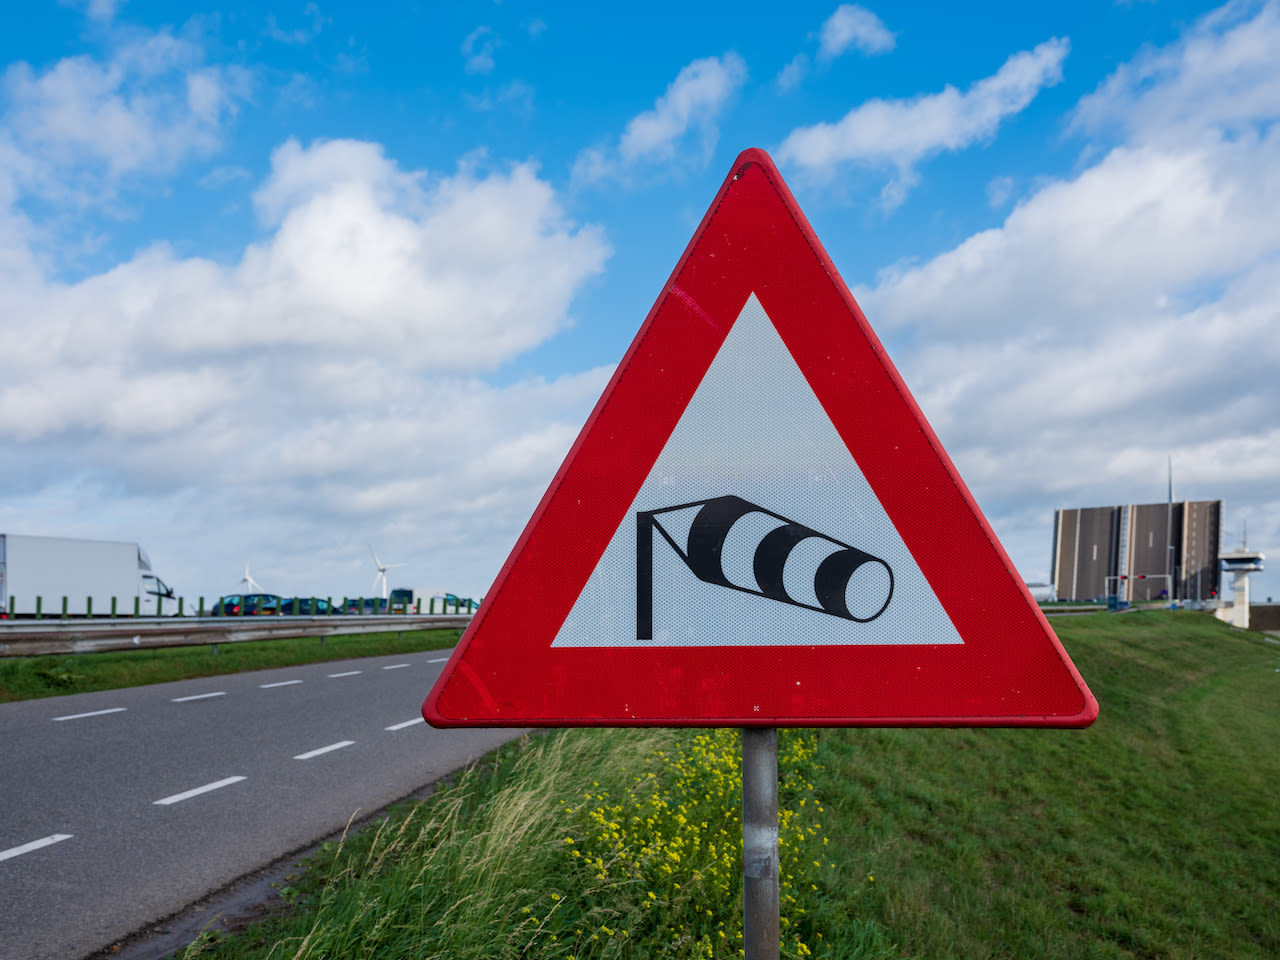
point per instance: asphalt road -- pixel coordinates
(120, 808)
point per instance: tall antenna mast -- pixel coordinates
(1168, 537)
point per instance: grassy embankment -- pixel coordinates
(1153, 834)
(26, 678)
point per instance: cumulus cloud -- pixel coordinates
(84, 123)
(458, 272)
(900, 133)
(334, 374)
(693, 101)
(1220, 77)
(853, 26)
(684, 120)
(1121, 314)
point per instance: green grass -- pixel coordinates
(27, 678)
(601, 843)
(1153, 834)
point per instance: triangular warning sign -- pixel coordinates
(757, 526)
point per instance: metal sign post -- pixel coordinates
(760, 843)
(758, 528)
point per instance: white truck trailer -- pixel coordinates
(91, 574)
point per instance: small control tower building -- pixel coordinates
(1240, 563)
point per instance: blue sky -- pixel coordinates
(280, 282)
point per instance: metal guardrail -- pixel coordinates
(26, 638)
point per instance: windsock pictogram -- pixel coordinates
(729, 542)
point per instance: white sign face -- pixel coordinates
(755, 527)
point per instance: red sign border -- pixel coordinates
(1011, 669)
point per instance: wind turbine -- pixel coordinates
(382, 573)
(253, 585)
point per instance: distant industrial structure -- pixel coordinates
(1138, 552)
(1240, 563)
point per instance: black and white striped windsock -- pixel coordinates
(730, 542)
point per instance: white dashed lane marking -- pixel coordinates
(188, 794)
(218, 784)
(34, 845)
(94, 713)
(406, 723)
(331, 747)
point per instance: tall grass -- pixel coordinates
(1153, 834)
(29, 678)
(594, 843)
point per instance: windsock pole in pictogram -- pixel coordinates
(846, 582)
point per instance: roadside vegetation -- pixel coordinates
(27, 678)
(1152, 834)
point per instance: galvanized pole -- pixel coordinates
(760, 843)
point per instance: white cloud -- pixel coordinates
(692, 101)
(901, 133)
(853, 26)
(478, 48)
(592, 165)
(999, 190)
(459, 273)
(85, 123)
(689, 110)
(1142, 223)
(102, 10)
(1120, 315)
(301, 174)
(1220, 77)
(326, 382)
(455, 273)
(438, 474)
(793, 74)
